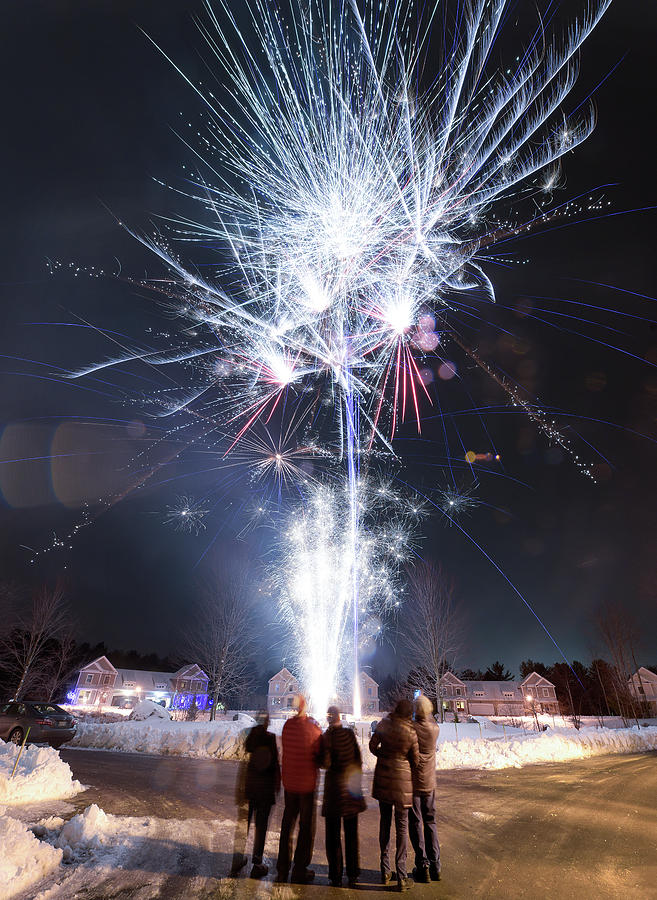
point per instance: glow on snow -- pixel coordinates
(358, 160)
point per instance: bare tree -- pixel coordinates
(222, 641)
(433, 629)
(620, 635)
(62, 658)
(25, 646)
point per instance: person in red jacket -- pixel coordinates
(301, 757)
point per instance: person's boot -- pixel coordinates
(259, 870)
(302, 876)
(403, 883)
(421, 874)
(239, 861)
(385, 877)
(434, 872)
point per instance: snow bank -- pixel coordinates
(471, 745)
(41, 774)
(24, 859)
(146, 709)
(547, 746)
(214, 740)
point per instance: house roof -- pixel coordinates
(535, 678)
(452, 678)
(192, 671)
(146, 681)
(365, 677)
(494, 690)
(284, 674)
(645, 674)
(101, 664)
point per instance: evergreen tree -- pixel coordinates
(497, 672)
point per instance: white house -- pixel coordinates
(284, 685)
(498, 698)
(100, 684)
(643, 687)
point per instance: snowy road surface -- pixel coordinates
(582, 829)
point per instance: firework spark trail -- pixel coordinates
(350, 204)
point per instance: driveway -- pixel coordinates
(582, 829)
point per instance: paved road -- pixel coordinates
(582, 829)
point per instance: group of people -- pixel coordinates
(404, 744)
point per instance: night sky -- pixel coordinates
(90, 109)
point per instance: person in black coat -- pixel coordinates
(259, 785)
(343, 797)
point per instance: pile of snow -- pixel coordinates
(472, 745)
(24, 860)
(147, 709)
(41, 774)
(203, 740)
(546, 746)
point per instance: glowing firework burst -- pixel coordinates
(187, 515)
(352, 189)
(455, 501)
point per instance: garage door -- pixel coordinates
(481, 709)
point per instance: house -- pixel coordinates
(284, 685)
(643, 687)
(498, 698)
(282, 688)
(100, 684)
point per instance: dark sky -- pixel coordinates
(89, 109)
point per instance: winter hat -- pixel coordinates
(404, 709)
(423, 707)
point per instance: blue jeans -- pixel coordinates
(423, 831)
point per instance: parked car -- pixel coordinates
(48, 723)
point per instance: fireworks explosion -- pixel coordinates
(360, 163)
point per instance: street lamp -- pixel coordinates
(532, 705)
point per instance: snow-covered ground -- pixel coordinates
(483, 744)
(107, 854)
(40, 775)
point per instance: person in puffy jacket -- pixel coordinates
(301, 742)
(343, 797)
(422, 814)
(394, 743)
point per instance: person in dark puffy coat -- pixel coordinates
(394, 743)
(301, 742)
(258, 784)
(343, 797)
(422, 828)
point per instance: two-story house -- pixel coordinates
(99, 683)
(284, 685)
(643, 687)
(498, 698)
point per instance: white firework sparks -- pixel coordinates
(353, 183)
(187, 515)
